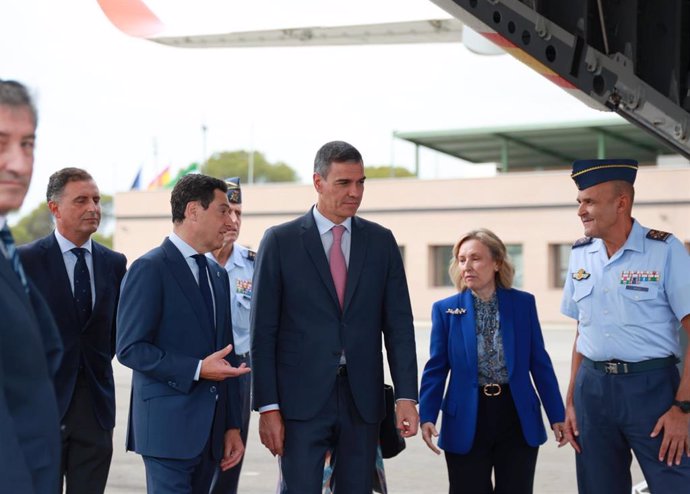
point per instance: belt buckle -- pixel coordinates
(611, 367)
(493, 389)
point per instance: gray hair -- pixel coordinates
(335, 152)
(15, 94)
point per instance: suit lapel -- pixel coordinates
(55, 270)
(468, 327)
(100, 275)
(358, 248)
(506, 316)
(220, 295)
(179, 269)
(314, 247)
(14, 283)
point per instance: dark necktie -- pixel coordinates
(13, 256)
(336, 260)
(204, 287)
(82, 285)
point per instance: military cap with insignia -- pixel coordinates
(587, 173)
(234, 191)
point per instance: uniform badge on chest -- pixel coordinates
(637, 277)
(581, 274)
(244, 287)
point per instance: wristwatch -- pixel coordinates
(683, 405)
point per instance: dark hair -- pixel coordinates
(335, 152)
(59, 179)
(15, 94)
(194, 187)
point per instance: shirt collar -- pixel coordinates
(185, 249)
(68, 245)
(324, 224)
(635, 240)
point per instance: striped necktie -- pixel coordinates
(13, 255)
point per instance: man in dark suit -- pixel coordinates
(85, 317)
(30, 346)
(327, 286)
(175, 333)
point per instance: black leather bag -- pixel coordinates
(392, 443)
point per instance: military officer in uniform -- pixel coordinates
(238, 261)
(628, 287)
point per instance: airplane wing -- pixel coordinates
(135, 18)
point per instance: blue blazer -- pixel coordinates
(299, 330)
(92, 344)
(30, 353)
(163, 333)
(454, 351)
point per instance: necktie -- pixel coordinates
(13, 256)
(204, 287)
(336, 261)
(82, 285)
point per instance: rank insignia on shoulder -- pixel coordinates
(581, 274)
(658, 235)
(582, 241)
(251, 254)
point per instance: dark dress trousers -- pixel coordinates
(299, 332)
(84, 381)
(30, 353)
(163, 332)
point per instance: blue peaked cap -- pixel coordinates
(587, 173)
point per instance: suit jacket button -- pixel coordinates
(172, 384)
(212, 389)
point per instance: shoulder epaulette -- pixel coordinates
(582, 241)
(658, 235)
(251, 254)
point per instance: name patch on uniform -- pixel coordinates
(244, 287)
(637, 277)
(637, 288)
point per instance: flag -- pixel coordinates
(193, 168)
(136, 185)
(161, 180)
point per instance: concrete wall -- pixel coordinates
(533, 209)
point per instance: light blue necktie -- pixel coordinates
(13, 256)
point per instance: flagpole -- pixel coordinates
(203, 144)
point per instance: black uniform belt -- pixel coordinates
(622, 367)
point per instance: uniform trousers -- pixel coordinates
(499, 446)
(87, 448)
(338, 426)
(227, 482)
(616, 413)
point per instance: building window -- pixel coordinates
(440, 260)
(515, 255)
(687, 247)
(560, 255)
(401, 248)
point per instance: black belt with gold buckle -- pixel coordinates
(492, 389)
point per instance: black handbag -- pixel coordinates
(390, 440)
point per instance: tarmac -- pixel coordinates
(415, 471)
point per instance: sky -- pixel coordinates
(113, 104)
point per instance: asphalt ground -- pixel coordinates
(415, 471)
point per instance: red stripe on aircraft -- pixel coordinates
(132, 17)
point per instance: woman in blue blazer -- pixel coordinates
(488, 338)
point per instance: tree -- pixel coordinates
(39, 223)
(236, 164)
(386, 172)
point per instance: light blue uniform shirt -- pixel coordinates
(628, 307)
(240, 268)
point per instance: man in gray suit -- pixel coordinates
(327, 287)
(30, 346)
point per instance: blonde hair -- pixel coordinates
(506, 272)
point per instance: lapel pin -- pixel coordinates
(457, 311)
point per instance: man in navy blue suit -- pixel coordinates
(30, 347)
(327, 287)
(84, 382)
(175, 333)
